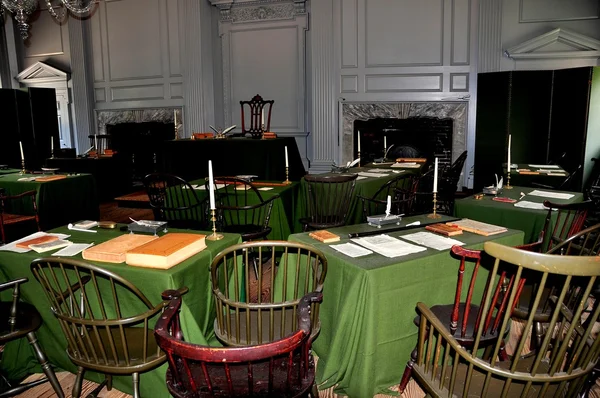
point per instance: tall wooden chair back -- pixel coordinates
(105, 319)
(15, 209)
(401, 189)
(174, 200)
(328, 199)
(256, 107)
(242, 209)
(447, 184)
(566, 356)
(19, 320)
(102, 140)
(569, 219)
(282, 368)
(257, 309)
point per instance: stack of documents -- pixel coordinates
(432, 240)
(550, 194)
(388, 246)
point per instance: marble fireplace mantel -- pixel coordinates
(163, 115)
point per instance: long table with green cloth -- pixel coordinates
(197, 311)
(530, 221)
(367, 330)
(283, 213)
(554, 178)
(8, 171)
(365, 187)
(59, 202)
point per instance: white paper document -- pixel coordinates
(203, 187)
(361, 178)
(397, 171)
(550, 194)
(194, 186)
(525, 204)
(379, 170)
(351, 250)
(545, 166)
(367, 174)
(388, 246)
(407, 165)
(72, 250)
(432, 240)
(12, 246)
(265, 188)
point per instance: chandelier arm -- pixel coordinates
(59, 16)
(78, 7)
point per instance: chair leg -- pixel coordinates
(108, 382)
(46, 368)
(136, 385)
(314, 392)
(408, 371)
(78, 383)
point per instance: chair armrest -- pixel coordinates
(531, 247)
(172, 293)
(6, 285)
(21, 195)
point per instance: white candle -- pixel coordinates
(21, 148)
(175, 117)
(358, 138)
(51, 144)
(508, 160)
(388, 206)
(384, 143)
(287, 164)
(96, 142)
(435, 175)
(211, 186)
(262, 116)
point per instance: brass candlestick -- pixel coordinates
(215, 235)
(23, 171)
(358, 153)
(262, 131)
(434, 214)
(287, 176)
(507, 186)
(177, 131)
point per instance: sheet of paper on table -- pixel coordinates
(434, 241)
(407, 165)
(545, 166)
(549, 194)
(361, 178)
(525, 204)
(379, 171)
(265, 188)
(351, 250)
(72, 250)
(397, 171)
(388, 246)
(367, 174)
(12, 246)
(203, 187)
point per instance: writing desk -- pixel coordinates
(59, 202)
(263, 158)
(197, 311)
(507, 215)
(367, 329)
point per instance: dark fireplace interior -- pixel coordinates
(415, 137)
(139, 146)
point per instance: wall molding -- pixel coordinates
(490, 36)
(240, 11)
(581, 46)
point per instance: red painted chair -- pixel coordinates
(464, 319)
(282, 368)
(256, 106)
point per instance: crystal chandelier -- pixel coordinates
(23, 8)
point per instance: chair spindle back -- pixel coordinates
(328, 199)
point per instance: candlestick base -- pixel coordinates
(23, 171)
(508, 186)
(287, 182)
(287, 176)
(214, 236)
(434, 214)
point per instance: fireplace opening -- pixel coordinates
(413, 137)
(138, 146)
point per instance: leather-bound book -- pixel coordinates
(36, 241)
(416, 160)
(324, 236)
(443, 229)
(166, 251)
(51, 178)
(113, 251)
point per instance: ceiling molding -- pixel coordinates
(253, 10)
(569, 44)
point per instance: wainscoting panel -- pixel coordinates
(405, 82)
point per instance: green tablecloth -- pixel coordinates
(507, 215)
(367, 329)
(526, 180)
(59, 202)
(197, 312)
(283, 211)
(365, 186)
(8, 171)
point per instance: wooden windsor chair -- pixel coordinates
(466, 319)
(241, 208)
(22, 320)
(256, 108)
(174, 200)
(328, 200)
(401, 189)
(16, 209)
(282, 368)
(560, 366)
(105, 319)
(254, 313)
